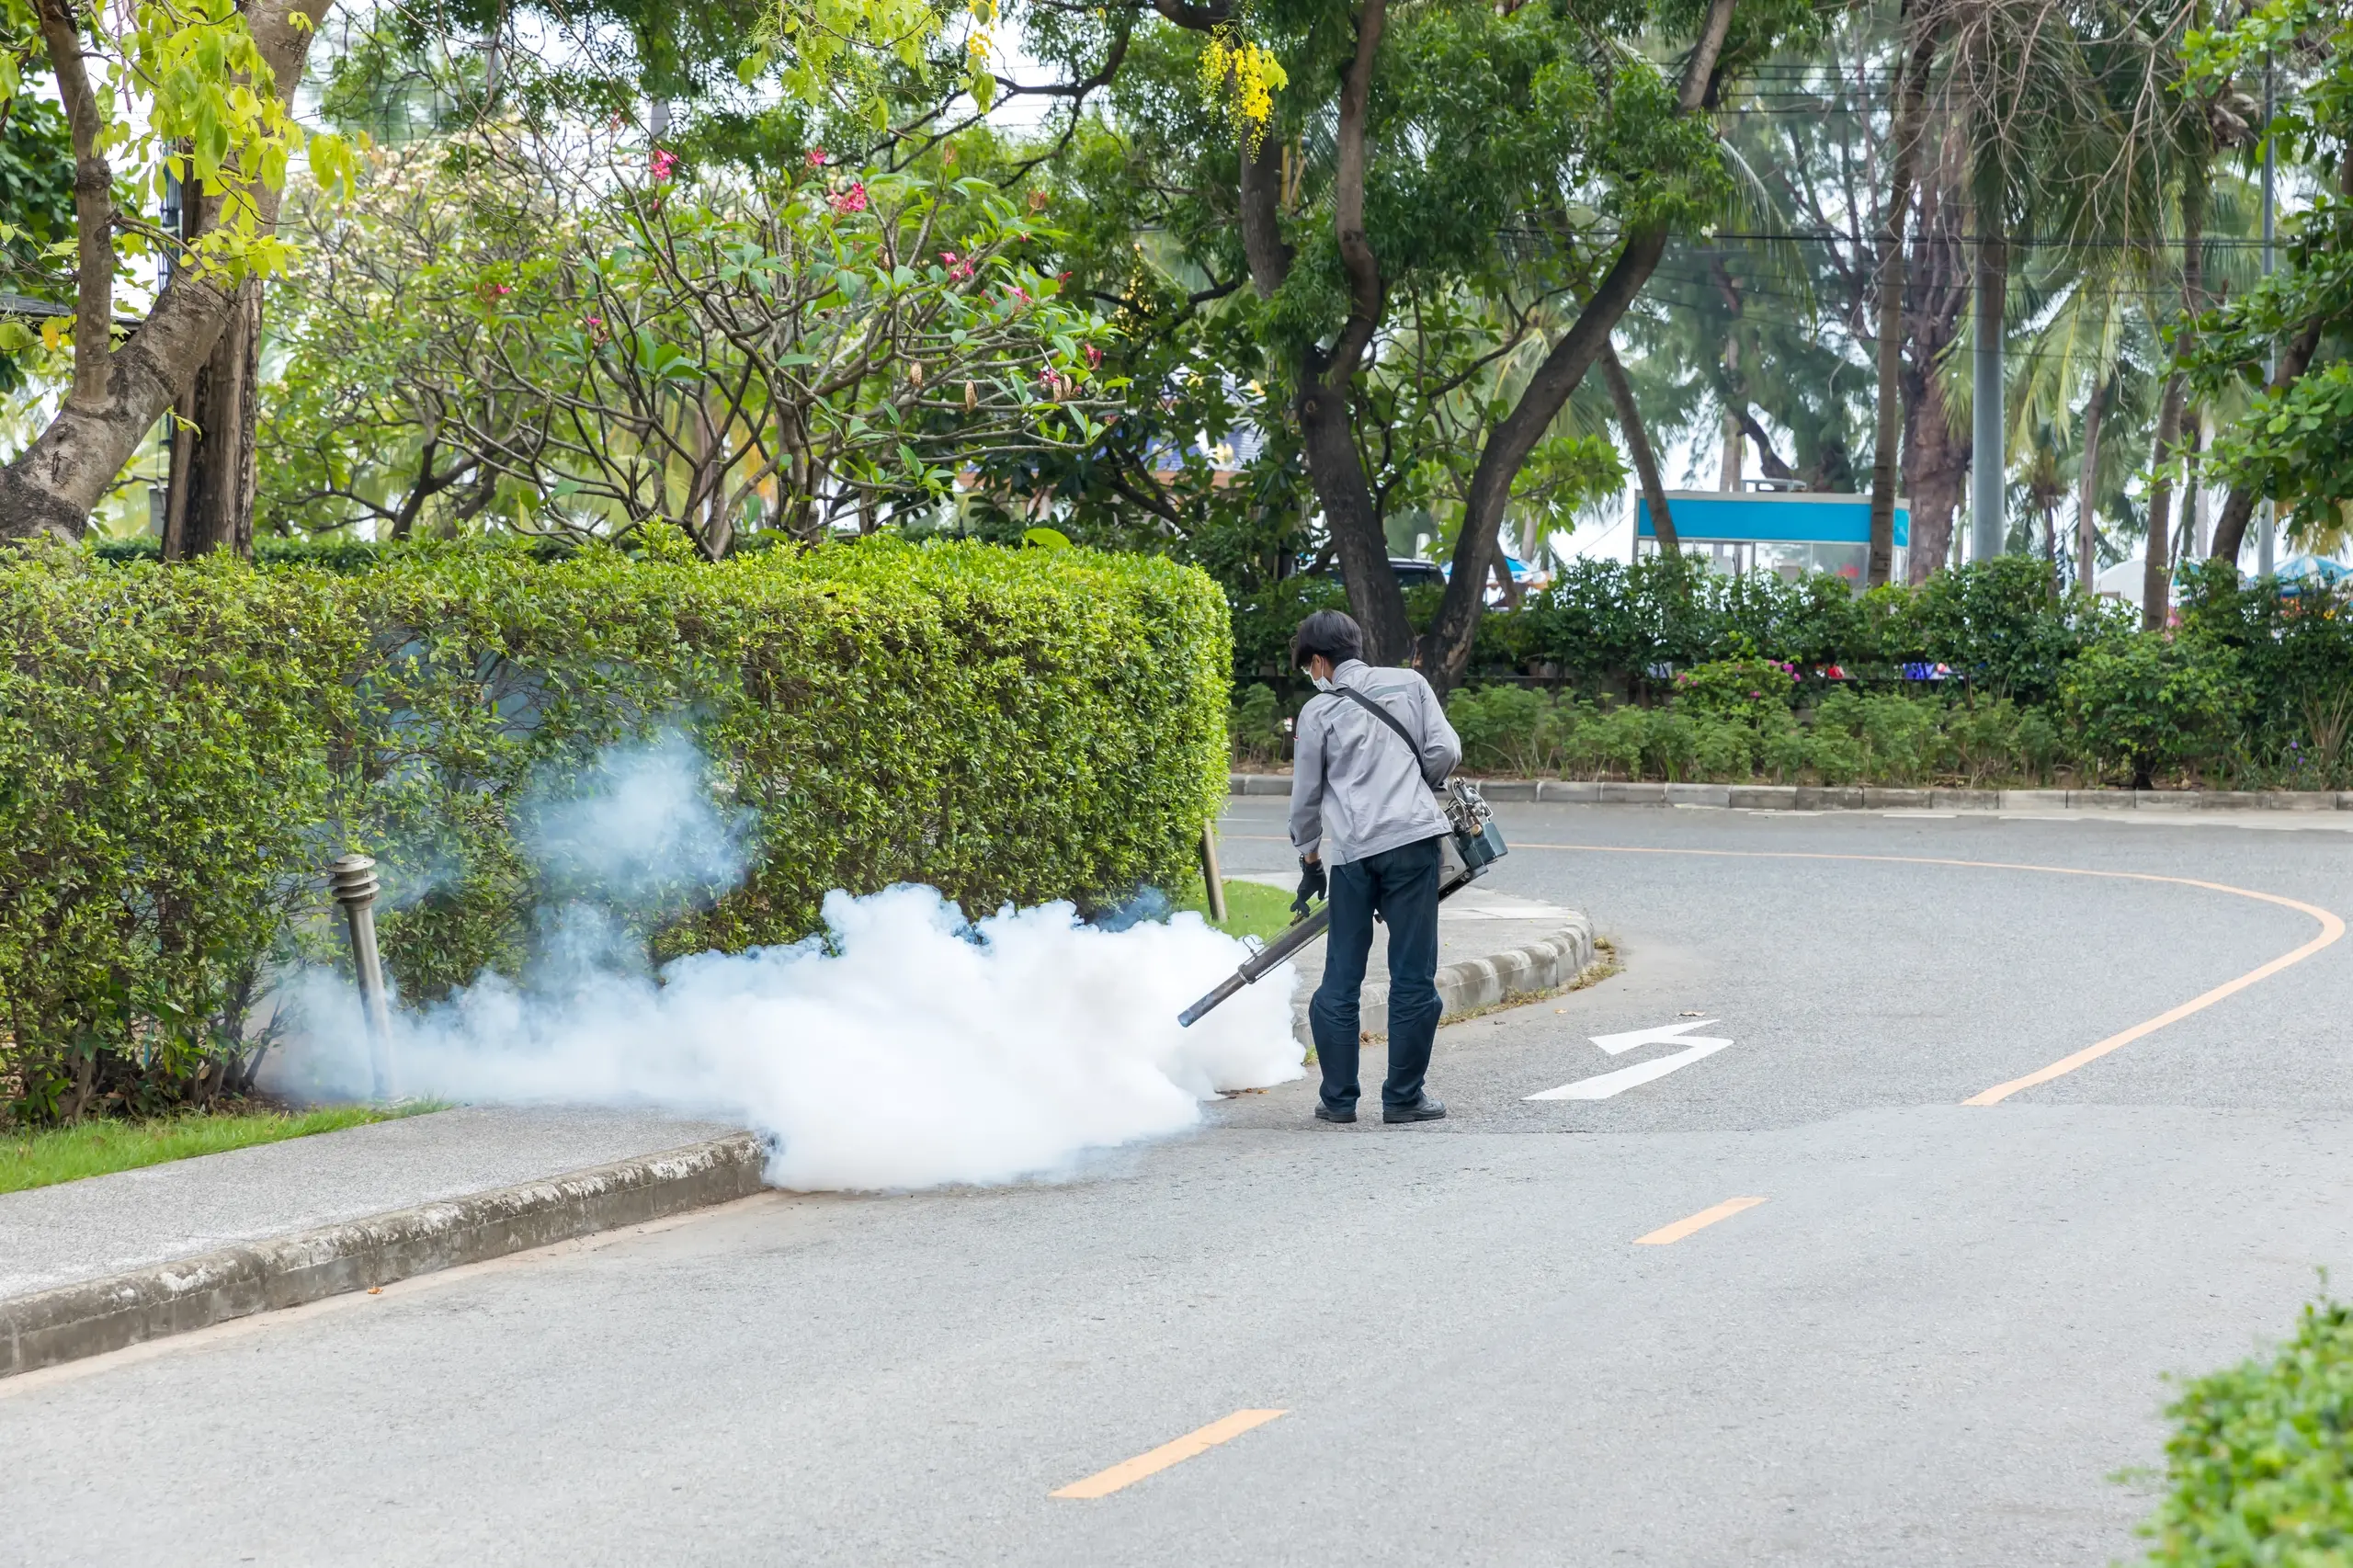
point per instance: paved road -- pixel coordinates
(1934, 1341)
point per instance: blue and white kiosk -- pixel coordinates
(1789, 533)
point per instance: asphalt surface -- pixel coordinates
(1939, 1339)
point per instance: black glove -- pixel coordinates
(1312, 885)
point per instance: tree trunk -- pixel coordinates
(1935, 462)
(1328, 438)
(119, 394)
(1989, 469)
(2156, 573)
(1911, 91)
(2156, 578)
(1323, 378)
(2230, 528)
(1446, 650)
(220, 464)
(2087, 493)
(1638, 441)
(1734, 439)
(2199, 512)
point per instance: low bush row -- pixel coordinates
(183, 749)
(1978, 676)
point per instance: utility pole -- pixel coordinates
(2263, 545)
(1988, 468)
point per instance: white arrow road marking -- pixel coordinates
(1618, 1044)
(1607, 1083)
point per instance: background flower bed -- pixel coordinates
(182, 751)
(1979, 677)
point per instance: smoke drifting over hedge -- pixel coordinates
(903, 1049)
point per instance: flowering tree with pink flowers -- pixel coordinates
(639, 346)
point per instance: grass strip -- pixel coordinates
(1252, 909)
(97, 1148)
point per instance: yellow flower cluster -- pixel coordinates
(1251, 74)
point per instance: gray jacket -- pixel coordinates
(1355, 789)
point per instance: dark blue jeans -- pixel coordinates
(1401, 885)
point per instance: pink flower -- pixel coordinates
(663, 162)
(1093, 357)
(851, 200)
(957, 268)
(816, 157)
(1018, 292)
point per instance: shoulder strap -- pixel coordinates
(1381, 712)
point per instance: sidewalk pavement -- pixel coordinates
(89, 1249)
(108, 1224)
(92, 1266)
(1475, 923)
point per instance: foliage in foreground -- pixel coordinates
(183, 750)
(2260, 1464)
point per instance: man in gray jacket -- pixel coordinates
(1368, 832)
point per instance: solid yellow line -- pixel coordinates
(1667, 1234)
(1104, 1482)
(2331, 928)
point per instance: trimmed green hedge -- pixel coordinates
(2261, 1461)
(182, 750)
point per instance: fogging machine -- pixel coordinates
(1477, 843)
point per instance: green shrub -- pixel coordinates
(2296, 655)
(1598, 740)
(1748, 687)
(1892, 739)
(2150, 703)
(2260, 1464)
(181, 751)
(1724, 751)
(164, 772)
(1256, 724)
(1998, 742)
(1505, 729)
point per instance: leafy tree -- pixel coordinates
(37, 192)
(1440, 213)
(198, 91)
(594, 349)
(2293, 446)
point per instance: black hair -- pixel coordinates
(1327, 632)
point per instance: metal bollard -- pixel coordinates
(353, 881)
(1212, 879)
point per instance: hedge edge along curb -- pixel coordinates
(1473, 985)
(94, 1316)
(1865, 798)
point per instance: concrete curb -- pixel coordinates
(1869, 798)
(98, 1315)
(1469, 985)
